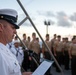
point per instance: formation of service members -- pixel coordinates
(63, 51)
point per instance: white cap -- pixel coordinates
(16, 41)
(9, 15)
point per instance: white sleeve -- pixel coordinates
(3, 67)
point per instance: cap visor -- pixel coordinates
(16, 26)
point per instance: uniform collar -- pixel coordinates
(5, 49)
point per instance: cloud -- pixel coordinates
(73, 17)
(63, 19)
(64, 23)
(52, 22)
(61, 15)
(46, 14)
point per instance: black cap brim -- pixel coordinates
(16, 26)
(10, 19)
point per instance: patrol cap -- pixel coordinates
(10, 15)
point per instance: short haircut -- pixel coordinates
(24, 34)
(47, 35)
(33, 34)
(58, 36)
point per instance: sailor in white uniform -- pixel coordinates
(8, 62)
(18, 52)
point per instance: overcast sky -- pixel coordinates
(60, 13)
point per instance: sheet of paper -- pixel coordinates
(44, 66)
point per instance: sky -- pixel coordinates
(60, 13)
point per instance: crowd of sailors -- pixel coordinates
(27, 50)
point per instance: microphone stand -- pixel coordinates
(39, 35)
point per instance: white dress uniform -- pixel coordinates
(18, 52)
(8, 62)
